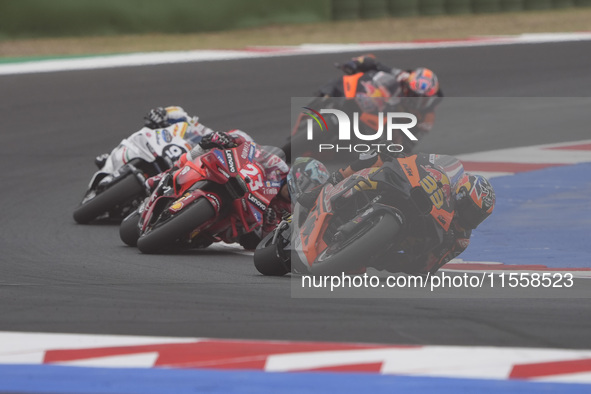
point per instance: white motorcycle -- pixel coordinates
(118, 187)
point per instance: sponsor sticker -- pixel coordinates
(257, 215)
(258, 203)
(223, 172)
(149, 146)
(213, 199)
(220, 157)
(177, 206)
(245, 151)
(272, 184)
(407, 169)
(166, 136)
(230, 158)
(185, 170)
(251, 152)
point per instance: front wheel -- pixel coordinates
(163, 236)
(125, 190)
(129, 231)
(358, 248)
(266, 258)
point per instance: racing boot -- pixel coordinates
(100, 160)
(152, 182)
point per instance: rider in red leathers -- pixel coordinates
(275, 171)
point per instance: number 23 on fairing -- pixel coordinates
(254, 174)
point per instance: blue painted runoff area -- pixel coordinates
(81, 380)
(541, 217)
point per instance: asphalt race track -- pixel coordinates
(56, 276)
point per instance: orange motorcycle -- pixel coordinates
(362, 219)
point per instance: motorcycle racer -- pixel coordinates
(162, 117)
(268, 157)
(369, 89)
(416, 91)
(474, 200)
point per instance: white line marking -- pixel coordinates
(137, 360)
(154, 58)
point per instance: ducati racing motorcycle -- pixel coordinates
(118, 187)
(219, 196)
(364, 218)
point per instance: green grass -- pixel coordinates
(388, 29)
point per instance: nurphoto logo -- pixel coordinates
(391, 124)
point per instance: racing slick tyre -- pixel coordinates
(163, 235)
(121, 192)
(353, 252)
(266, 258)
(129, 231)
(249, 241)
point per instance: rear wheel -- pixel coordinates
(267, 260)
(354, 252)
(125, 190)
(162, 236)
(129, 231)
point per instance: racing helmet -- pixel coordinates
(475, 200)
(421, 82)
(421, 87)
(306, 174)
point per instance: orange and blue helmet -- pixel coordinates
(475, 200)
(421, 82)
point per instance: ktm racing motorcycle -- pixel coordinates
(363, 219)
(359, 93)
(217, 196)
(118, 187)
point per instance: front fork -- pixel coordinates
(283, 229)
(344, 231)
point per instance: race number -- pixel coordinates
(256, 181)
(435, 193)
(173, 152)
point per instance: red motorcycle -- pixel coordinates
(218, 196)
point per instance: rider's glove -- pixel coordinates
(335, 177)
(217, 139)
(156, 118)
(270, 220)
(308, 198)
(348, 68)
